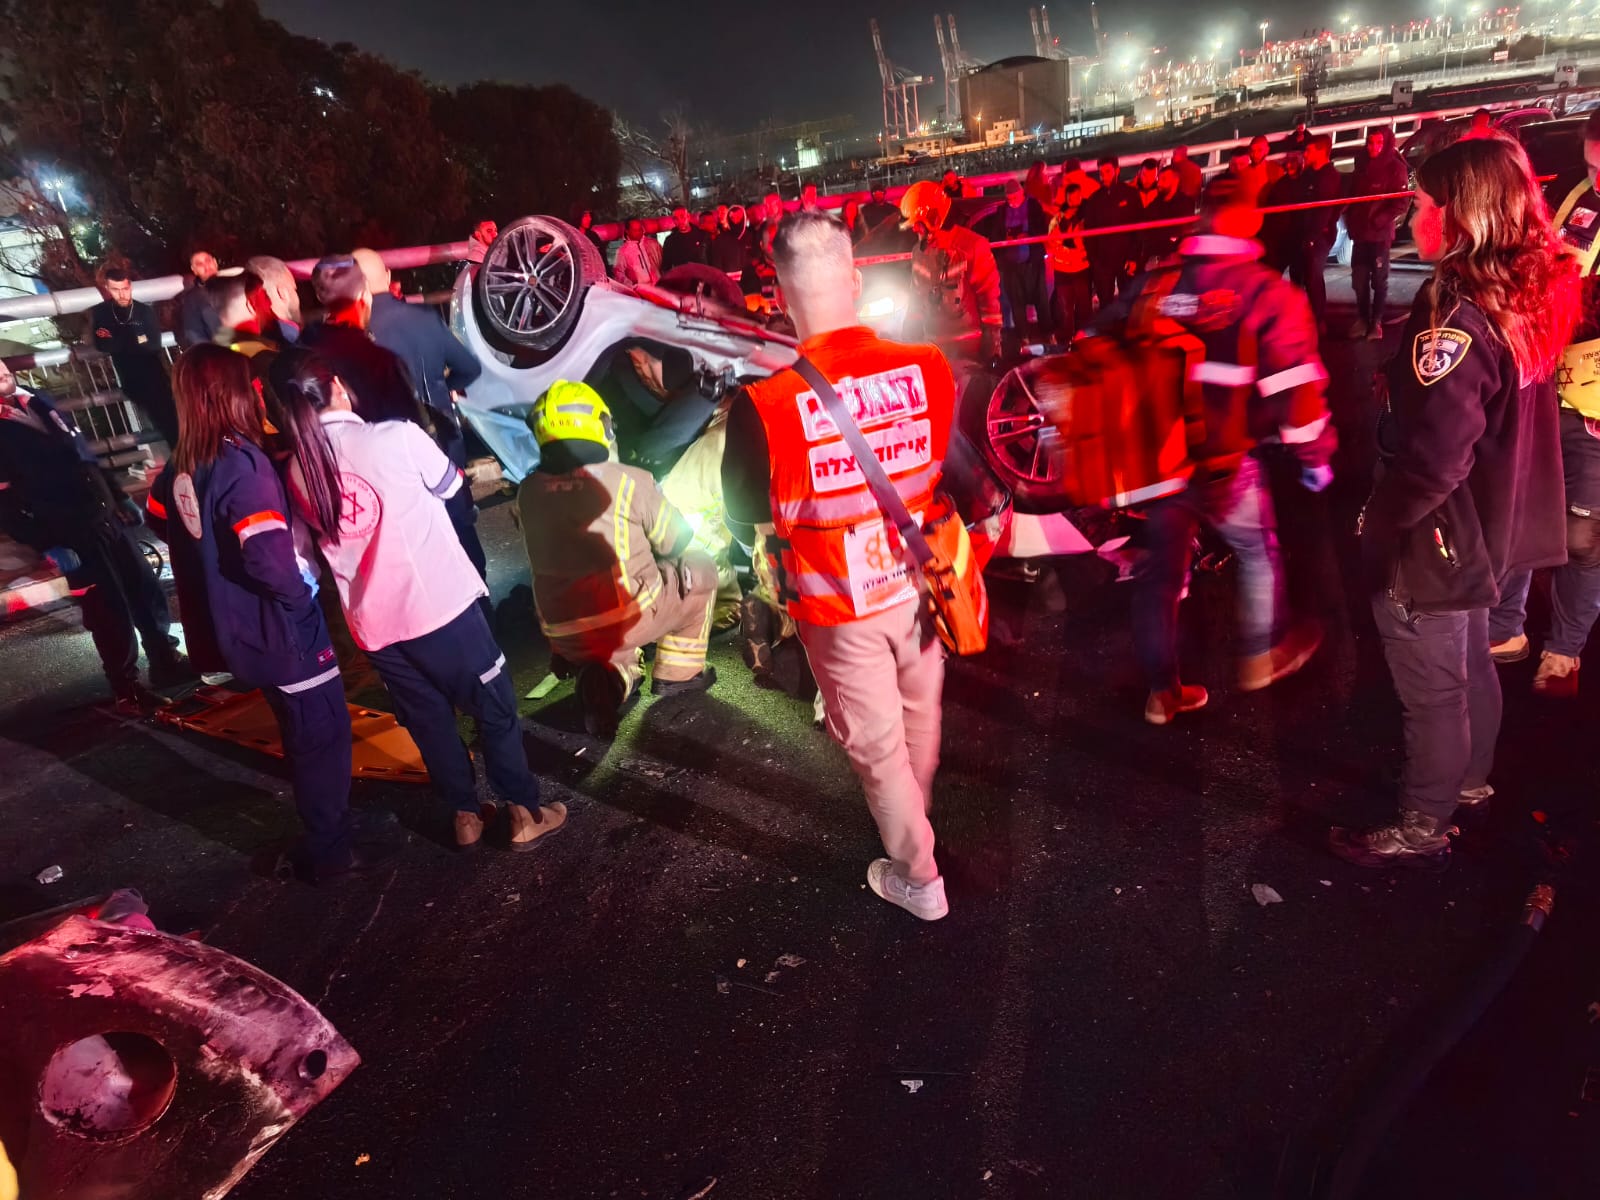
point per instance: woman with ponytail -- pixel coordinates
(1469, 487)
(374, 498)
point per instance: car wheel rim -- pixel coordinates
(530, 281)
(1019, 436)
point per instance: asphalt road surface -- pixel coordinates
(691, 993)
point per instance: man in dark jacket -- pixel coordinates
(128, 331)
(197, 319)
(1021, 267)
(1112, 257)
(56, 498)
(1171, 204)
(685, 244)
(733, 251)
(441, 368)
(1379, 170)
(1316, 229)
(378, 380)
(876, 211)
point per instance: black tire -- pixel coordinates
(991, 407)
(530, 288)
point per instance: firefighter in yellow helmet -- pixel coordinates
(955, 283)
(612, 568)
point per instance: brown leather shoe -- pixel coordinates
(1511, 650)
(469, 831)
(527, 828)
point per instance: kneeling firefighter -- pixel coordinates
(612, 566)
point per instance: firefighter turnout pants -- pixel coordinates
(880, 679)
(679, 623)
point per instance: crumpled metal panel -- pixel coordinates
(90, 1107)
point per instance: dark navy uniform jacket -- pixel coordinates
(1469, 484)
(435, 357)
(234, 558)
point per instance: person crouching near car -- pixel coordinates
(865, 625)
(374, 497)
(613, 568)
(1467, 491)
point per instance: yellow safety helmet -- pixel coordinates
(571, 412)
(924, 202)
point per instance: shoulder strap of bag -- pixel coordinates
(883, 491)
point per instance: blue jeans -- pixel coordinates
(1239, 508)
(1575, 587)
(1450, 695)
(459, 666)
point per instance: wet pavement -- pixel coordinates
(691, 993)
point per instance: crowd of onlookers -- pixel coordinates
(1082, 253)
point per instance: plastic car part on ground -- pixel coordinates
(383, 749)
(144, 1066)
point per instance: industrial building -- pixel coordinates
(1018, 95)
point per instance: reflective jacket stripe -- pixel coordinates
(854, 506)
(619, 529)
(633, 608)
(448, 486)
(489, 675)
(1293, 435)
(261, 522)
(1225, 374)
(1308, 372)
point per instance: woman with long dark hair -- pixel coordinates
(227, 522)
(374, 498)
(1469, 484)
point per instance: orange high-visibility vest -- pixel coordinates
(835, 557)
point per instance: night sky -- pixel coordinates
(735, 64)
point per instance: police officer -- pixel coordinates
(56, 498)
(374, 497)
(1575, 587)
(1261, 380)
(613, 568)
(228, 522)
(955, 282)
(864, 624)
(1465, 494)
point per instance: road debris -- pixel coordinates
(513, 898)
(363, 1159)
(704, 1191)
(741, 962)
(51, 874)
(790, 960)
(1265, 895)
(544, 687)
(911, 1085)
(1325, 882)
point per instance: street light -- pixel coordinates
(1264, 26)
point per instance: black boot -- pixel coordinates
(172, 670)
(678, 687)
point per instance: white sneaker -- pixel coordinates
(925, 900)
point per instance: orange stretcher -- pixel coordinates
(383, 749)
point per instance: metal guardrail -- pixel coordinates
(85, 383)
